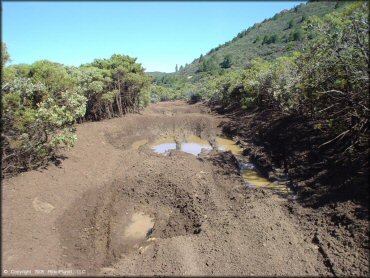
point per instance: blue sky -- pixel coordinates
(159, 34)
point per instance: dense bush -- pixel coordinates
(331, 73)
(35, 122)
(41, 103)
(334, 73)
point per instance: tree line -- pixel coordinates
(42, 102)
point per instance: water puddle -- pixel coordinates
(164, 144)
(228, 145)
(250, 174)
(140, 226)
(192, 144)
(195, 145)
(194, 148)
(136, 145)
(164, 148)
(254, 179)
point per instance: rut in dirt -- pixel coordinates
(184, 209)
(117, 205)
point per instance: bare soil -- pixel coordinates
(110, 209)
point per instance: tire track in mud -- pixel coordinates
(173, 208)
(192, 201)
(206, 222)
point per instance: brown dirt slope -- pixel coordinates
(78, 215)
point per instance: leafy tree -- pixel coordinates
(227, 62)
(257, 39)
(296, 35)
(5, 57)
(270, 39)
(303, 18)
(43, 101)
(291, 23)
(126, 77)
(53, 75)
(273, 38)
(284, 38)
(208, 65)
(34, 130)
(266, 40)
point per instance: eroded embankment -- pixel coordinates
(333, 206)
(116, 207)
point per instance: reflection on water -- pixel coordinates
(192, 144)
(194, 148)
(164, 144)
(249, 172)
(195, 145)
(228, 145)
(253, 177)
(163, 148)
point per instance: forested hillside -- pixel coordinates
(274, 37)
(281, 35)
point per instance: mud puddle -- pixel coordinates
(250, 174)
(191, 144)
(254, 179)
(136, 145)
(195, 145)
(140, 227)
(131, 233)
(225, 144)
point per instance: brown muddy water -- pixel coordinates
(140, 226)
(195, 145)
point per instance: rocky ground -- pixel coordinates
(111, 209)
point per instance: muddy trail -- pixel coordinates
(162, 193)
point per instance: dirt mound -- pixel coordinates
(113, 209)
(153, 126)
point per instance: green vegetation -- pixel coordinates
(278, 36)
(328, 80)
(324, 81)
(42, 102)
(170, 87)
(311, 61)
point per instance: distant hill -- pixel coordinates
(156, 74)
(274, 37)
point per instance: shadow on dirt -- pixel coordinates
(95, 230)
(320, 174)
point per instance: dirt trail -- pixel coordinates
(111, 209)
